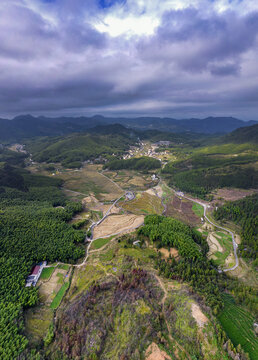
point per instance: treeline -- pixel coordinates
(244, 213)
(73, 150)
(201, 174)
(32, 228)
(143, 163)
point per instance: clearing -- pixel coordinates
(115, 224)
(182, 210)
(154, 353)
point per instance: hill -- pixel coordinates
(229, 161)
(27, 126)
(243, 134)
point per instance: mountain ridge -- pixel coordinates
(27, 126)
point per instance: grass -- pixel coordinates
(144, 204)
(46, 273)
(225, 241)
(238, 324)
(63, 267)
(59, 296)
(99, 243)
(198, 210)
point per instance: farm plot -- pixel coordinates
(52, 286)
(221, 248)
(183, 210)
(238, 324)
(115, 224)
(144, 203)
(88, 181)
(130, 179)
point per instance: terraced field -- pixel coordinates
(238, 324)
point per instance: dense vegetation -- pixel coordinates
(73, 149)
(244, 213)
(193, 266)
(200, 174)
(143, 163)
(32, 229)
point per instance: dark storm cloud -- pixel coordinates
(197, 62)
(194, 41)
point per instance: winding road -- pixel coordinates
(219, 227)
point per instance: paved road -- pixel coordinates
(219, 227)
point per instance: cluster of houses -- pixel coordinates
(34, 276)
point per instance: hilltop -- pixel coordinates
(28, 126)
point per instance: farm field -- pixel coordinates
(144, 203)
(130, 179)
(99, 243)
(238, 324)
(89, 180)
(53, 283)
(183, 210)
(221, 248)
(117, 224)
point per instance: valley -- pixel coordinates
(128, 276)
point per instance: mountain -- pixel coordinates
(27, 126)
(243, 134)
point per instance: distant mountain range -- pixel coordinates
(27, 126)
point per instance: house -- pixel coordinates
(34, 276)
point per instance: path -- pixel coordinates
(161, 284)
(111, 181)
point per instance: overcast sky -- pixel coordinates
(178, 58)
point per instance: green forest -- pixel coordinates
(143, 163)
(244, 213)
(33, 227)
(72, 150)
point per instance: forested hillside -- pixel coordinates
(244, 213)
(72, 150)
(143, 163)
(32, 229)
(200, 174)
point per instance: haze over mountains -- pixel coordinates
(26, 126)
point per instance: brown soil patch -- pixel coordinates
(173, 252)
(238, 239)
(232, 194)
(117, 223)
(182, 210)
(154, 353)
(198, 315)
(151, 192)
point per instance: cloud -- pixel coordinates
(178, 58)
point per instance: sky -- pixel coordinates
(177, 58)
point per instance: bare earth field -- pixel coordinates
(182, 210)
(222, 195)
(117, 224)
